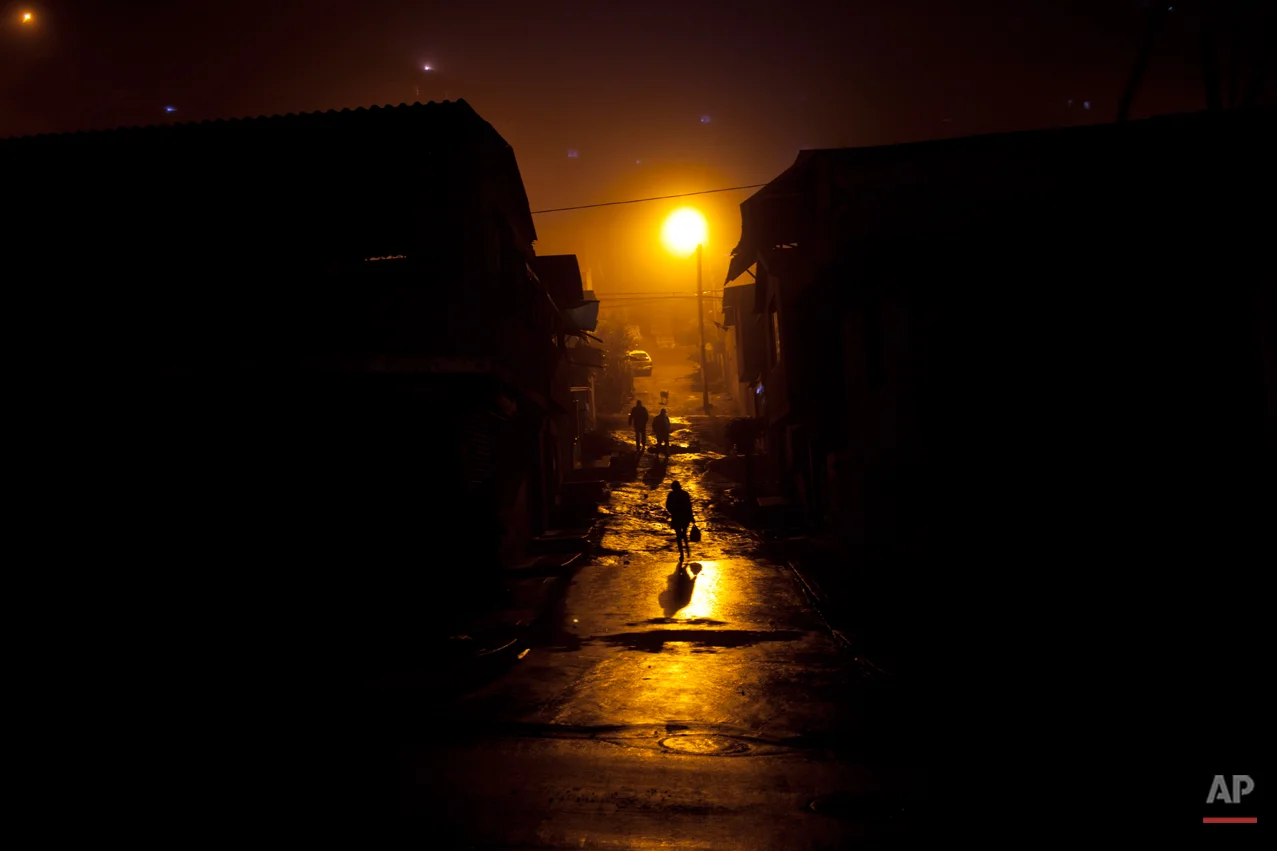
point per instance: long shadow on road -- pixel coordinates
(654, 640)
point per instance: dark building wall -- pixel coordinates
(1057, 420)
(237, 220)
(806, 393)
(289, 518)
(774, 372)
(774, 377)
(255, 259)
(1069, 362)
(573, 423)
(738, 307)
(308, 520)
(881, 485)
(1265, 309)
(805, 341)
(394, 308)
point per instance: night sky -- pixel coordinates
(654, 98)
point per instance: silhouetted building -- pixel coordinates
(573, 390)
(744, 349)
(330, 359)
(1032, 347)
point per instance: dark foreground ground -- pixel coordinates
(693, 705)
(706, 705)
(696, 704)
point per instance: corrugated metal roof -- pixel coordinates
(893, 169)
(1141, 132)
(404, 112)
(782, 192)
(346, 184)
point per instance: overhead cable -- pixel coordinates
(641, 200)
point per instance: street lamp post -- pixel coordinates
(700, 316)
(683, 229)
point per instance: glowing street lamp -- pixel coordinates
(685, 231)
(28, 18)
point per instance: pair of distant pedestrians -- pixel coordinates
(660, 428)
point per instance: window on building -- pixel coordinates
(774, 332)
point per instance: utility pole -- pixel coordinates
(1141, 61)
(700, 315)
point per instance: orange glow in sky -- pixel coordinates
(638, 247)
(26, 18)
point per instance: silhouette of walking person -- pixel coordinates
(679, 506)
(661, 431)
(638, 418)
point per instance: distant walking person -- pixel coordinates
(638, 418)
(661, 431)
(679, 505)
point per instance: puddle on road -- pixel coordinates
(637, 529)
(706, 745)
(687, 738)
(692, 743)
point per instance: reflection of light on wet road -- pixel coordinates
(677, 684)
(649, 679)
(642, 642)
(722, 657)
(704, 602)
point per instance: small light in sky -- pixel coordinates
(638, 162)
(1086, 104)
(170, 109)
(26, 18)
(705, 119)
(572, 153)
(425, 67)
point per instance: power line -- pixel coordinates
(603, 297)
(606, 301)
(615, 293)
(641, 200)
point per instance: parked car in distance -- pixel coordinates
(640, 361)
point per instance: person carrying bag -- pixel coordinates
(679, 506)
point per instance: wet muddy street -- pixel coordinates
(701, 704)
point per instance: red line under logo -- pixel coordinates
(1230, 820)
